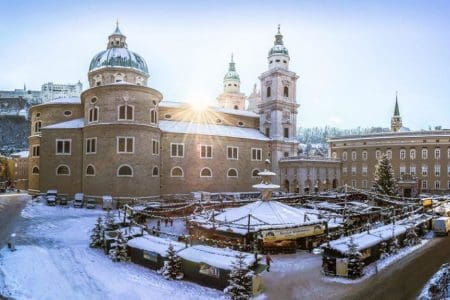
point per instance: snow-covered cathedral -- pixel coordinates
(121, 139)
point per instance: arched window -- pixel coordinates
(119, 76)
(255, 173)
(268, 91)
(93, 114)
(153, 116)
(125, 171)
(206, 172)
(232, 173)
(126, 112)
(90, 170)
(37, 126)
(155, 172)
(35, 171)
(176, 172)
(286, 91)
(63, 170)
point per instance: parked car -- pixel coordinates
(78, 200)
(63, 200)
(107, 202)
(91, 203)
(51, 200)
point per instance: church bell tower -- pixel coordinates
(278, 107)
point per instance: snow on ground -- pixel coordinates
(53, 261)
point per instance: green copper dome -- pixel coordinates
(231, 74)
(118, 57)
(278, 48)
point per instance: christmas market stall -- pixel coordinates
(347, 256)
(266, 225)
(150, 251)
(210, 266)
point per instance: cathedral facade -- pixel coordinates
(120, 138)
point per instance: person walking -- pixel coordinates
(269, 260)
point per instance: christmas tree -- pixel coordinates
(97, 234)
(109, 221)
(240, 281)
(355, 265)
(384, 177)
(118, 250)
(173, 267)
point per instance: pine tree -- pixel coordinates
(109, 221)
(394, 246)
(355, 265)
(411, 237)
(384, 177)
(173, 267)
(384, 250)
(97, 234)
(118, 250)
(240, 281)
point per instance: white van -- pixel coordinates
(78, 200)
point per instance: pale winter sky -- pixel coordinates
(351, 56)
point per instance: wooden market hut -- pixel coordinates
(368, 243)
(151, 251)
(210, 266)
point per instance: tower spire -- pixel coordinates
(396, 109)
(232, 65)
(278, 37)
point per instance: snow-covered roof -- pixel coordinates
(263, 215)
(375, 236)
(72, 124)
(266, 173)
(21, 154)
(67, 100)
(264, 186)
(244, 113)
(211, 129)
(221, 258)
(154, 244)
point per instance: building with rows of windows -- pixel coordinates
(420, 159)
(119, 138)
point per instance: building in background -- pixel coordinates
(50, 91)
(420, 159)
(18, 170)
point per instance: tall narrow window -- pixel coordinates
(424, 153)
(286, 91)
(437, 153)
(286, 133)
(37, 126)
(93, 114)
(91, 145)
(155, 147)
(155, 172)
(268, 91)
(126, 113)
(153, 116)
(267, 131)
(36, 150)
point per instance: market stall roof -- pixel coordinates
(265, 214)
(222, 258)
(154, 244)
